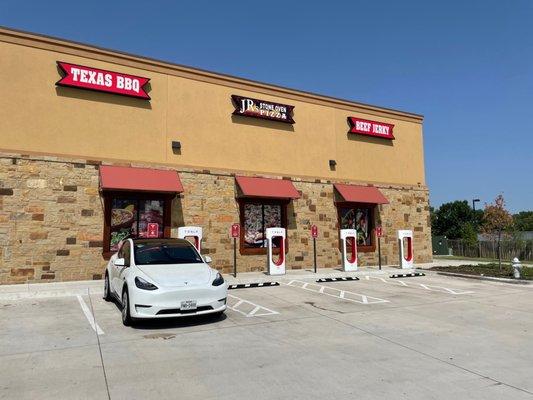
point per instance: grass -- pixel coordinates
(491, 269)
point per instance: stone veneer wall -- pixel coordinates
(51, 220)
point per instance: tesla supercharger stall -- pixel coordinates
(276, 267)
(349, 257)
(194, 232)
(405, 244)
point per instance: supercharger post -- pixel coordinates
(405, 244)
(276, 267)
(349, 261)
(195, 232)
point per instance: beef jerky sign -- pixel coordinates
(246, 106)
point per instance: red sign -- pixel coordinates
(153, 230)
(101, 80)
(379, 232)
(314, 231)
(235, 230)
(370, 128)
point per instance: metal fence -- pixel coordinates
(523, 249)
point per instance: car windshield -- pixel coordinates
(148, 252)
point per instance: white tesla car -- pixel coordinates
(163, 278)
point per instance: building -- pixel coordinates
(97, 144)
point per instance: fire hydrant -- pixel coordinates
(517, 268)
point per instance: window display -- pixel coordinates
(358, 218)
(131, 218)
(258, 217)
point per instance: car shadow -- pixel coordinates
(173, 323)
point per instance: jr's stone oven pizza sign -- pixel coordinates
(370, 128)
(79, 76)
(249, 107)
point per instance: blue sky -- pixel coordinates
(467, 66)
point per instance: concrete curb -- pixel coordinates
(486, 278)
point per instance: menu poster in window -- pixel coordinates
(150, 212)
(359, 219)
(253, 225)
(123, 221)
(258, 217)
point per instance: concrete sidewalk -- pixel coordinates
(74, 288)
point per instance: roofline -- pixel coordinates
(206, 74)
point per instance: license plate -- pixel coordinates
(188, 305)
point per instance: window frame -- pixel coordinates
(108, 197)
(372, 219)
(263, 201)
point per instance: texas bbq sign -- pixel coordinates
(370, 128)
(249, 107)
(79, 76)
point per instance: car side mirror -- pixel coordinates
(207, 259)
(120, 262)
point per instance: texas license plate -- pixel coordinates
(188, 305)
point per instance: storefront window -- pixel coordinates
(131, 217)
(359, 218)
(256, 217)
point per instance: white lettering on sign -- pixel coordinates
(262, 109)
(381, 129)
(363, 126)
(371, 128)
(79, 76)
(103, 79)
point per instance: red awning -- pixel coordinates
(139, 179)
(361, 194)
(265, 187)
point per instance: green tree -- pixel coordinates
(451, 220)
(496, 220)
(523, 221)
(469, 234)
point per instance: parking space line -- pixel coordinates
(337, 293)
(89, 316)
(415, 285)
(255, 310)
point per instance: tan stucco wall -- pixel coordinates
(39, 117)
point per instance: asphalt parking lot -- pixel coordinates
(430, 337)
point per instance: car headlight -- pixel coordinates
(144, 284)
(218, 280)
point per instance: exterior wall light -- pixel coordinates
(176, 145)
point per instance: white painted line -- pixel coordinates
(416, 285)
(340, 294)
(89, 316)
(47, 294)
(255, 311)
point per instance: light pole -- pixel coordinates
(474, 201)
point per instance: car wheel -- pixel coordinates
(107, 291)
(126, 318)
